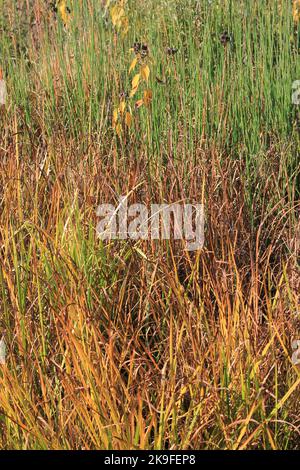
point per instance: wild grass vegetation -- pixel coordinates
(141, 344)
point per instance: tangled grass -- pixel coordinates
(142, 345)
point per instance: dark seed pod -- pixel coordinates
(124, 95)
(141, 49)
(171, 51)
(53, 7)
(225, 38)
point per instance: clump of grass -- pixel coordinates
(141, 345)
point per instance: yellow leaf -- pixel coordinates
(121, 12)
(133, 92)
(145, 71)
(296, 11)
(128, 119)
(139, 103)
(136, 80)
(147, 97)
(133, 64)
(64, 12)
(116, 14)
(122, 107)
(115, 117)
(135, 84)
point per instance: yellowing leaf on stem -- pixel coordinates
(139, 103)
(116, 14)
(128, 119)
(115, 117)
(135, 84)
(147, 97)
(133, 64)
(65, 16)
(136, 80)
(145, 72)
(122, 107)
(296, 11)
(119, 18)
